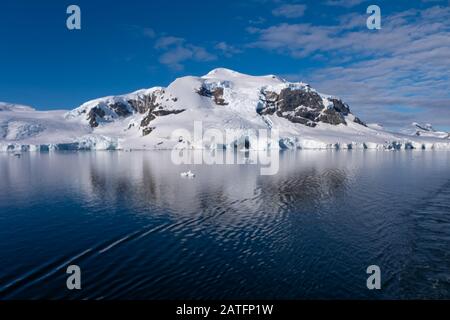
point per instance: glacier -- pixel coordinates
(223, 100)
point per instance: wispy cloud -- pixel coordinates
(176, 51)
(226, 49)
(149, 32)
(404, 64)
(344, 3)
(290, 10)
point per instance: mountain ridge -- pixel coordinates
(222, 99)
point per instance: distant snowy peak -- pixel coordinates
(425, 130)
(14, 107)
(223, 74)
(245, 95)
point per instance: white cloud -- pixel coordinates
(345, 3)
(290, 10)
(166, 42)
(226, 49)
(404, 65)
(177, 50)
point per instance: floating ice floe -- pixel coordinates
(188, 174)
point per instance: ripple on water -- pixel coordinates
(139, 231)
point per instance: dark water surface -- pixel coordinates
(140, 231)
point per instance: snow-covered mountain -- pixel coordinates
(222, 100)
(425, 130)
(4, 106)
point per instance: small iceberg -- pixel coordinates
(188, 174)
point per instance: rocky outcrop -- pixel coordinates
(359, 121)
(108, 109)
(331, 116)
(154, 110)
(146, 102)
(146, 131)
(216, 94)
(152, 115)
(121, 109)
(305, 106)
(150, 104)
(94, 116)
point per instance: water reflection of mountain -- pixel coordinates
(149, 180)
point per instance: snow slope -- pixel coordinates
(223, 100)
(425, 130)
(4, 106)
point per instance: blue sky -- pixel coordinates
(393, 76)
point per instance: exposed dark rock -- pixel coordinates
(153, 109)
(93, 114)
(218, 97)
(344, 109)
(152, 114)
(147, 119)
(331, 116)
(204, 92)
(147, 131)
(144, 105)
(269, 105)
(297, 119)
(140, 106)
(162, 112)
(296, 105)
(289, 100)
(341, 107)
(305, 107)
(121, 109)
(358, 121)
(216, 94)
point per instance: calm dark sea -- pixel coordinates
(140, 231)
